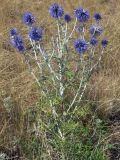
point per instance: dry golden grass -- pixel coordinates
(16, 82)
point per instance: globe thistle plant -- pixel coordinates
(64, 60)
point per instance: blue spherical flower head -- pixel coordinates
(28, 18)
(97, 16)
(36, 34)
(95, 30)
(67, 18)
(104, 43)
(80, 46)
(21, 48)
(13, 32)
(17, 42)
(93, 41)
(56, 11)
(82, 15)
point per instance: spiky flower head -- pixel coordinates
(82, 15)
(28, 18)
(56, 11)
(95, 30)
(93, 41)
(97, 16)
(80, 46)
(13, 32)
(104, 43)
(17, 42)
(67, 18)
(36, 33)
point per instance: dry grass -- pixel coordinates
(15, 80)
